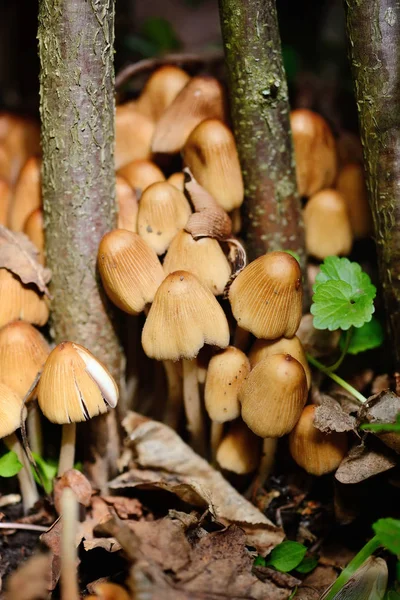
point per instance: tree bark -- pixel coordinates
(260, 113)
(76, 39)
(373, 30)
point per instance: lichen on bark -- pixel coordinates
(260, 114)
(373, 30)
(76, 41)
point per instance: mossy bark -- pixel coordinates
(76, 39)
(260, 113)
(373, 29)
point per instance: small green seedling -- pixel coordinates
(9, 464)
(344, 299)
(48, 471)
(288, 556)
(383, 427)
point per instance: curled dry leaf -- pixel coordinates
(32, 581)
(163, 460)
(362, 463)
(108, 544)
(52, 539)
(384, 408)
(79, 485)
(19, 255)
(330, 416)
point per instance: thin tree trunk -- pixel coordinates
(260, 113)
(76, 39)
(373, 30)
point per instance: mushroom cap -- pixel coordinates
(27, 194)
(316, 452)
(239, 450)
(133, 133)
(10, 411)
(129, 269)
(327, 225)
(127, 205)
(74, 385)
(23, 352)
(266, 297)
(273, 396)
(351, 185)
(19, 301)
(263, 348)
(204, 258)
(140, 174)
(5, 199)
(201, 98)
(210, 153)
(183, 317)
(163, 211)
(225, 375)
(177, 180)
(34, 229)
(160, 90)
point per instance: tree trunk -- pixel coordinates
(76, 39)
(260, 113)
(373, 29)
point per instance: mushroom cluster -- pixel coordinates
(171, 259)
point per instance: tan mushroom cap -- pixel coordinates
(266, 297)
(140, 174)
(20, 138)
(129, 269)
(210, 153)
(133, 133)
(201, 98)
(327, 224)
(127, 205)
(351, 185)
(10, 411)
(23, 352)
(5, 199)
(204, 258)
(273, 396)
(239, 451)
(317, 452)
(163, 211)
(183, 317)
(160, 90)
(315, 151)
(27, 194)
(177, 180)
(74, 385)
(264, 348)
(19, 301)
(225, 375)
(34, 229)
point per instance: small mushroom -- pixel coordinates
(74, 386)
(27, 194)
(327, 224)
(127, 205)
(160, 91)
(177, 180)
(316, 452)
(211, 155)
(5, 200)
(239, 450)
(133, 133)
(34, 229)
(140, 174)
(266, 297)
(19, 301)
(351, 185)
(109, 591)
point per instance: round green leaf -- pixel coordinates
(9, 465)
(286, 556)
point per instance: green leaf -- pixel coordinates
(398, 570)
(388, 532)
(9, 465)
(259, 562)
(342, 269)
(293, 253)
(392, 595)
(160, 32)
(286, 556)
(367, 337)
(48, 471)
(307, 564)
(380, 427)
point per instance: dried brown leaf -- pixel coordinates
(109, 544)
(164, 460)
(362, 463)
(330, 416)
(52, 539)
(125, 507)
(79, 485)
(20, 256)
(32, 581)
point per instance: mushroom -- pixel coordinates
(140, 174)
(34, 229)
(183, 317)
(19, 301)
(264, 348)
(239, 450)
(315, 151)
(316, 452)
(327, 225)
(273, 396)
(127, 205)
(177, 180)
(74, 386)
(69, 552)
(351, 185)
(108, 591)
(160, 91)
(20, 139)
(266, 297)
(5, 199)
(225, 374)
(210, 153)
(204, 258)
(201, 98)
(10, 421)
(133, 133)
(27, 194)
(163, 211)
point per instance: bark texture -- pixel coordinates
(373, 29)
(260, 113)
(77, 111)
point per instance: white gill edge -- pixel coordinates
(101, 376)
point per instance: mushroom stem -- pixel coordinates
(35, 429)
(217, 429)
(67, 452)
(27, 484)
(174, 400)
(267, 460)
(192, 404)
(69, 555)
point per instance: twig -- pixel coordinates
(148, 64)
(24, 526)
